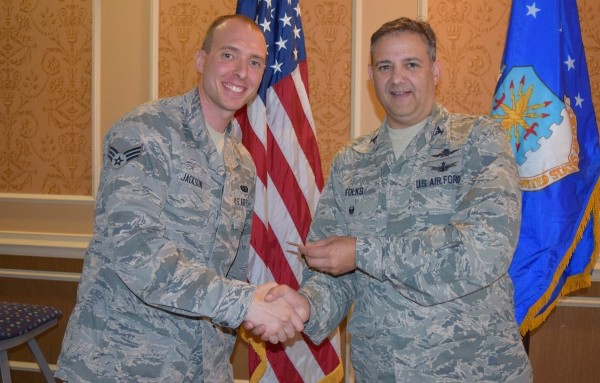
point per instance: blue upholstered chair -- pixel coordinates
(20, 323)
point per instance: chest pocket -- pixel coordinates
(192, 199)
(235, 206)
(436, 184)
(362, 210)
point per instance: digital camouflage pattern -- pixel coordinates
(163, 283)
(436, 230)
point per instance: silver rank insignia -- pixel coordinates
(119, 159)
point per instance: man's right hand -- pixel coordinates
(280, 293)
(276, 318)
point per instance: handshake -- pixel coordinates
(276, 313)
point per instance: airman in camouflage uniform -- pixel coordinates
(435, 232)
(417, 234)
(164, 281)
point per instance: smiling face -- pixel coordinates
(404, 77)
(232, 69)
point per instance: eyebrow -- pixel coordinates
(229, 47)
(385, 61)
(408, 59)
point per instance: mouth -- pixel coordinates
(396, 93)
(234, 88)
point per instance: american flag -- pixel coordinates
(278, 130)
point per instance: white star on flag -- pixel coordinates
(570, 63)
(532, 10)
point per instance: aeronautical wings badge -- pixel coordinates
(119, 159)
(443, 166)
(445, 153)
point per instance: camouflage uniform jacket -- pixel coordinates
(436, 230)
(163, 283)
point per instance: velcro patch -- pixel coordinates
(119, 159)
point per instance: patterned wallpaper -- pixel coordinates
(45, 93)
(471, 38)
(45, 74)
(589, 14)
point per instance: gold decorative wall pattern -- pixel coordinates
(589, 16)
(328, 33)
(45, 90)
(327, 30)
(471, 38)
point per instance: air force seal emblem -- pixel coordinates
(119, 159)
(541, 127)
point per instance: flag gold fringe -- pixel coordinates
(575, 282)
(336, 376)
(260, 349)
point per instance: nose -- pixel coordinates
(398, 75)
(241, 69)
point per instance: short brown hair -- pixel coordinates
(404, 24)
(208, 38)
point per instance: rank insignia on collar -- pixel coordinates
(119, 159)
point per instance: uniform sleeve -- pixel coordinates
(154, 268)
(447, 260)
(330, 297)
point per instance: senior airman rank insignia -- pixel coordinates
(119, 159)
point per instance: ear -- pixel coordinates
(370, 69)
(436, 72)
(200, 58)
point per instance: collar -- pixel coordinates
(194, 122)
(433, 131)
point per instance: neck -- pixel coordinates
(218, 120)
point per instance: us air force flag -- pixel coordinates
(544, 102)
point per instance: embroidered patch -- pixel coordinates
(445, 153)
(190, 179)
(443, 166)
(119, 159)
(438, 181)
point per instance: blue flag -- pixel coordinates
(544, 102)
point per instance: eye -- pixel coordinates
(384, 67)
(227, 56)
(256, 64)
(413, 65)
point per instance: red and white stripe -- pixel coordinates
(282, 141)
